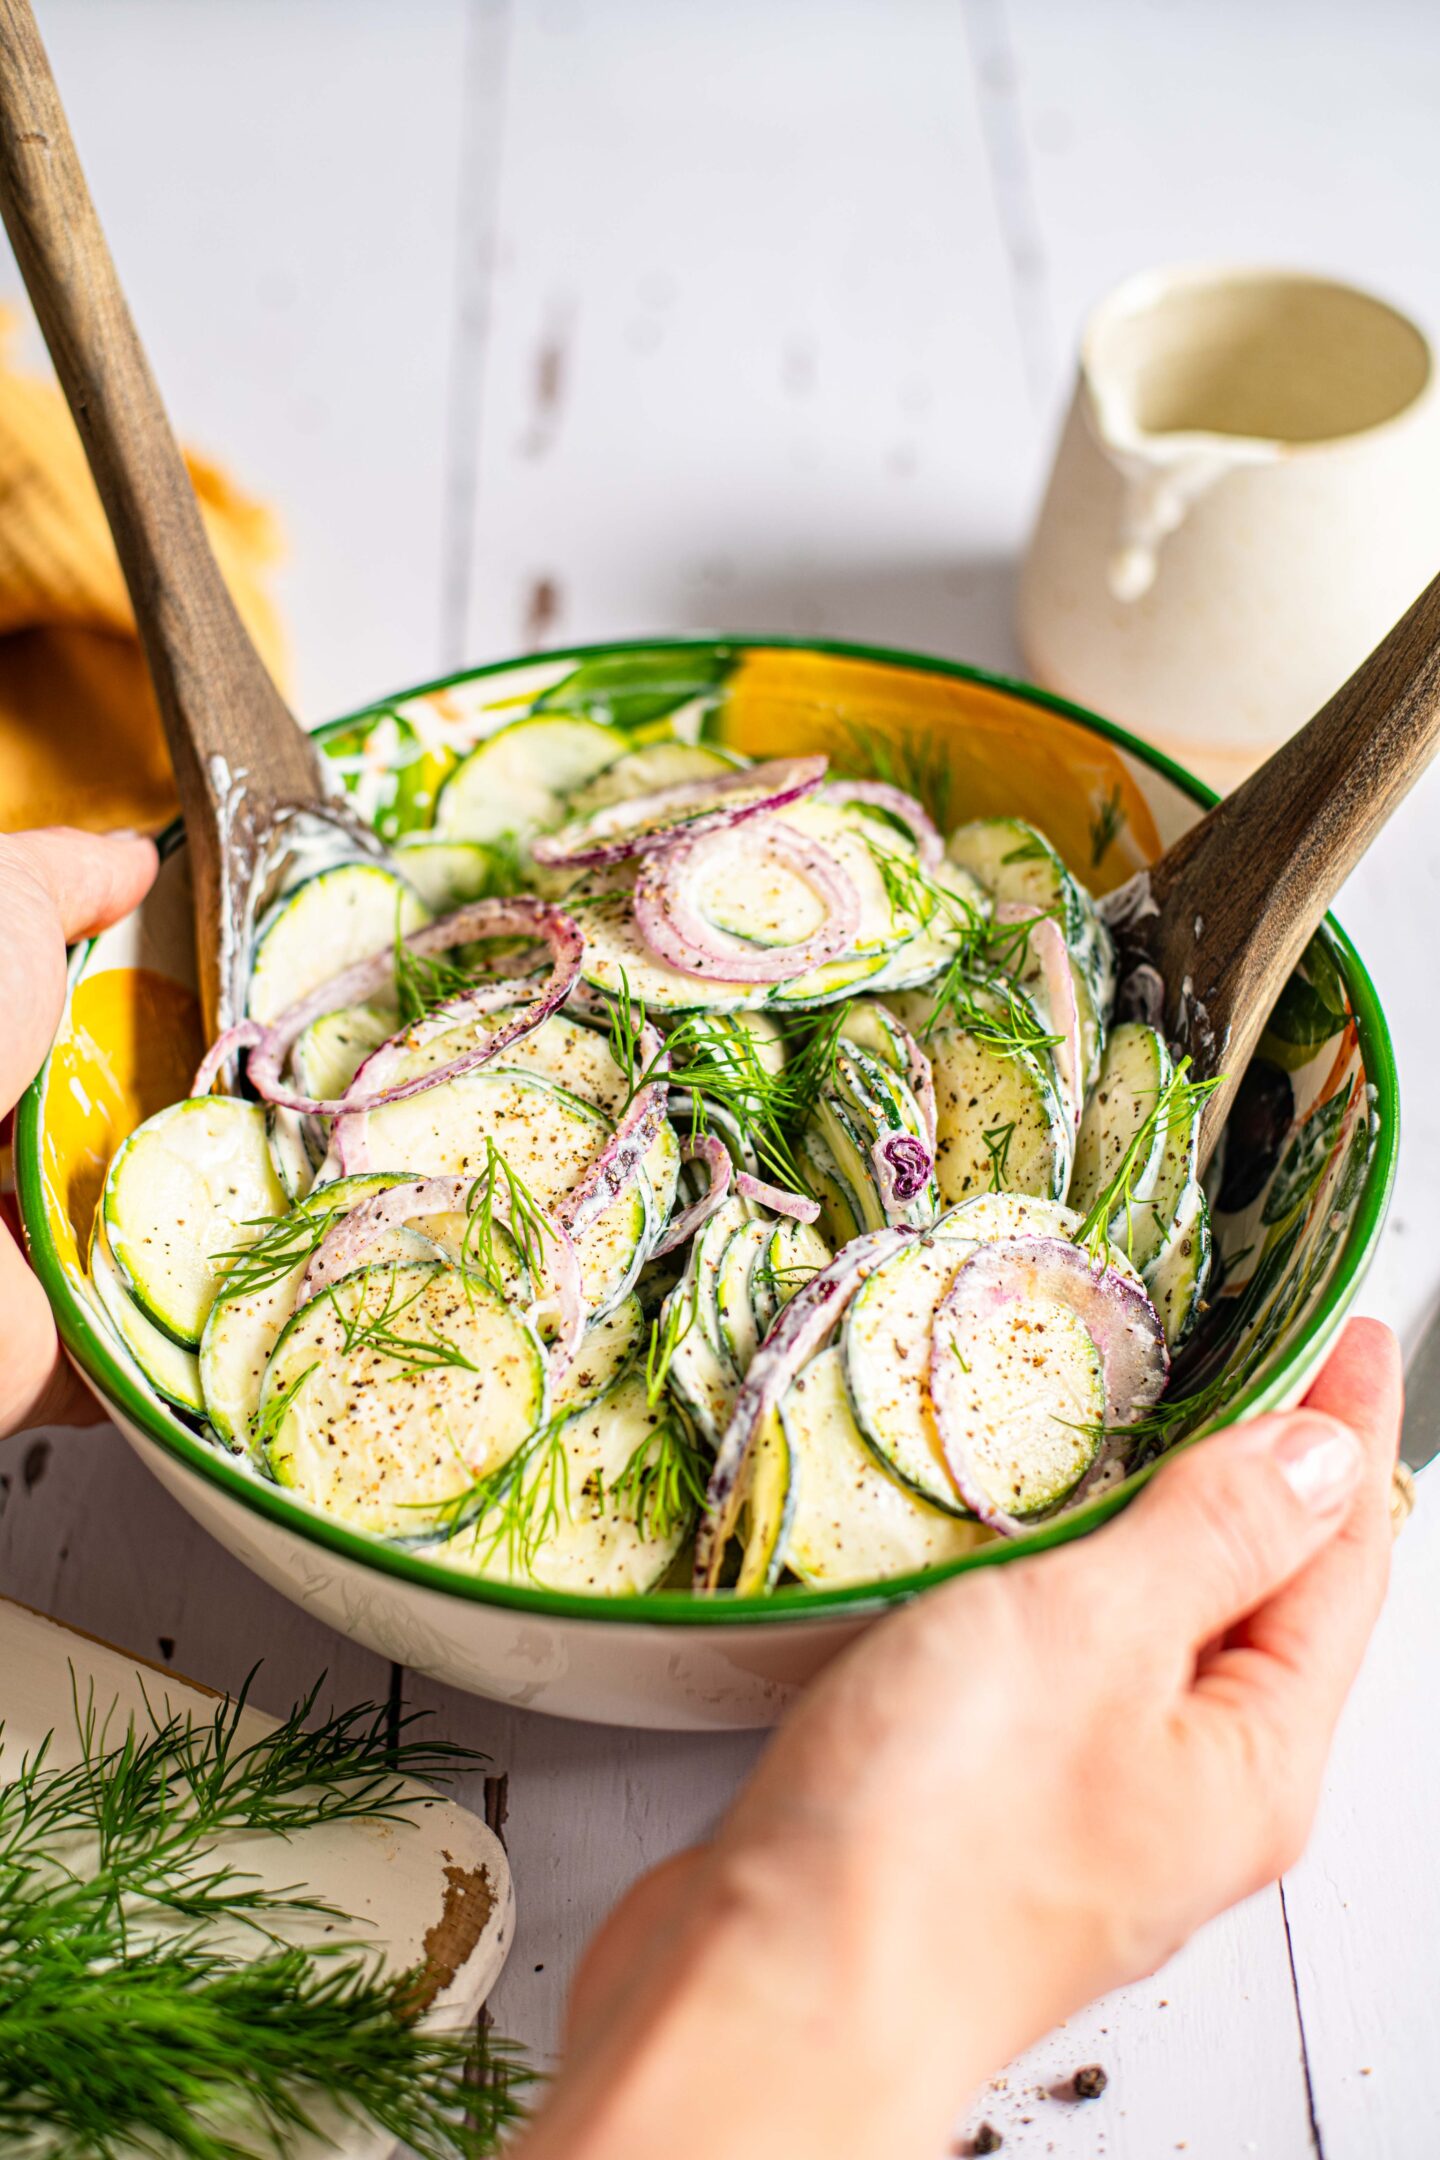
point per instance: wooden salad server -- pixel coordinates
(243, 767)
(1226, 912)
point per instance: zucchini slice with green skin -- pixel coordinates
(841, 1218)
(1177, 1276)
(332, 1049)
(1000, 1122)
(517, 780)
(607, 1348)
(617, 957)
(872, 1026)
(258, 1295)
(890, 1322)
(1142, 1231)
(171, 1371)
(449, 873)
(547, 1135)
(389, 1398)
(286, 1134)
(580, 1518)
(793, 1252)
(190, 1186)
(322, 927)
(700, 1370)
(1134, 1073)
(642, 772)
(1013, 861)
(768, 1509)
(852, 1522)
(734, 1308)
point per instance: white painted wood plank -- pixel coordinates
(88, 1536)
(280, 187)
(753, 360)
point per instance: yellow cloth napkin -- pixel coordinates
(80, 738)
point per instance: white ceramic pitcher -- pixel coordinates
(1246, 496)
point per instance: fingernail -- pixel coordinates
(1319, 1459)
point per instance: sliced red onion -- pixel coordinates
(778, 1198)
(1052, 956)
(518, 917)
(716, 1157)
(1114, 1310)
(929, 846)
(244, 1035)
(341, 1251)
(685, 810)
(669, 918)
(797, 1332)
(903, 1168)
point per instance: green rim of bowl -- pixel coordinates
(94, 1355)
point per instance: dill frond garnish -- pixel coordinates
(1106, 827)
(132, 2014)
(916, 763)
(664, 1481)
(522, 1502)
(526, 1230)
(1175, 1106)
(997, 1146)
(677, 1316)
(420, 983)
(365, 1329)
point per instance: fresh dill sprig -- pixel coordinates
(911, 890)
(132, 2017)
(422, 983)
(520, 1503)
(362, 1329)
(677, 1316)
(663, 1482)
(527, 1228)
(1106, 826)
(959, 1356)
(991, 1010)
(265, 1424)
(997, 1146)
(290, 1243)
(917, 763)
(1032, 850)
(1176, 1104)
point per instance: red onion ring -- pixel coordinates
(693, 807)
(800, 1329)
(338, 1251)
(1114, 1310)
(519, 917)
(677, 933)
(244, 1035)
(903, 1168)
(798, 1206)
(929, 845)
(716, 1157)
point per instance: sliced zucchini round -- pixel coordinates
(607, 1348)
(1024, 1390)
(191, 1186)
(1142, 1232)
(1134, 1072)
(1001, 1124)
(734, 1309)
(389, 1399)
(641, 772)
(1177, 1276)
(449, 873)
(258, 1296)
(324, 926)
(517, 781)
(888, 1329)
(589, 1508)
(1013, 861)
(295, 1161)
(793, 1252)
(841, 1215)
(332, 1049)
(852, 1521)
(617, 958)
(768, 1509)
(171, 1371)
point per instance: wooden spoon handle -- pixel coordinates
(223, 716)
(1259, 872)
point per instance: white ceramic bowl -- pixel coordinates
(1306, 1191)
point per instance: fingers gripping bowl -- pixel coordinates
(633, 1467)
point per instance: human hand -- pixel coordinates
(55, 886)
(1028, 1787)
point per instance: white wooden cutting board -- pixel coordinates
(433, 1887)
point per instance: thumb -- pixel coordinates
(1233, 1518)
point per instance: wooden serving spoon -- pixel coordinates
(243, 767)
(1225, 913)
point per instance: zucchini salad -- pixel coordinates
(667, 1170)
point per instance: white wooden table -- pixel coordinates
(550, 319)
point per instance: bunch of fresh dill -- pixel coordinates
(148, 2001)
